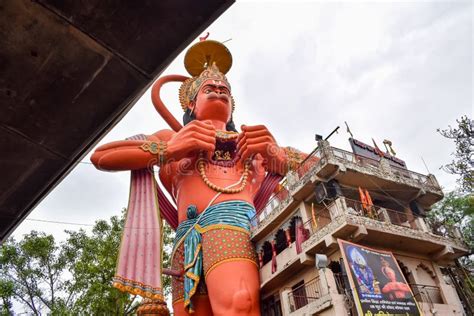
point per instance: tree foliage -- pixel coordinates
(91, 261)
(32, 272)
(69, 278)
(453, 217)
(463, 162)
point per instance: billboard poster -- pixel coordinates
(362, 149)
(379, 287)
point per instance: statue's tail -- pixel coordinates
(158, 103)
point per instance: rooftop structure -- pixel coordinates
(320, 203)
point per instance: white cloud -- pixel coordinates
(392, 70)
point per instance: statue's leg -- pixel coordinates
(201, 305)
(200, 300)
(231, 272)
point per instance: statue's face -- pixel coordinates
(213, 101)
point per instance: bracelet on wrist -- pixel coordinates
(159, 149)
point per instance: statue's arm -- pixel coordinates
(128, 154)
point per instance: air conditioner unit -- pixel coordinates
(321, 261)
(327, 191)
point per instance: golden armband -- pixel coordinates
(158, 149)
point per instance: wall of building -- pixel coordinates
(282, 258)
(283, 224)
(426, 272)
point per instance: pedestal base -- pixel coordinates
(153, 307)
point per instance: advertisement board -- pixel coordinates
(378, 284)
(363, 150)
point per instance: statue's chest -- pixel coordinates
(189, 173)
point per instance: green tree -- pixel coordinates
(168, 238)
(463, 162)
(454, 213)
(91, 261)
(32, 272)
(6, 293)
(71, 278)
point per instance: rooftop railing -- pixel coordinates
(304, 171)
(418, 177)
(397, 171)
(351, 157)
(305, 294)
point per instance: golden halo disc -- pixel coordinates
(204, 53)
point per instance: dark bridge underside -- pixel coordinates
(69, 71)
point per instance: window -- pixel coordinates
(299, 295)
(280, 241)
(271, 306)
(267, 252)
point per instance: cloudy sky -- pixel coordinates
(396, 70)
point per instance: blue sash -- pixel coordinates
(229, 213)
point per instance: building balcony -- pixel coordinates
(310, 298)
(326, 163)
(274, 212)
(431, 302)
(350, 220)
(427, 293)
(380, 227)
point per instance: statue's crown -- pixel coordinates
(190, 87)
(205, 60)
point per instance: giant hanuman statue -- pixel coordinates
(217, 178)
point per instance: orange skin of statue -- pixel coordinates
(394, 289)
(233, 287)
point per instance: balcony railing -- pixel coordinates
(271, 207)
(427, 293)
(321, 219)
(305, 294)
(382, 214)
(308, 163)
(350, 157)
(412, 175)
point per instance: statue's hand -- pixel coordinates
(257, 140)
(195, 136)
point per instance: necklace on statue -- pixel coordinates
(242, 181)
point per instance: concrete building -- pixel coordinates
(319, 203)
